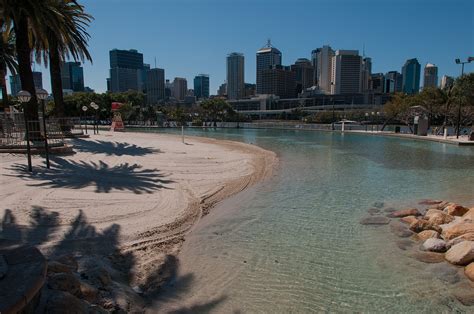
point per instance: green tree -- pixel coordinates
(7, 57)
(217, 109)
(397, 109)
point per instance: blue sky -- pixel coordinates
(189, 37)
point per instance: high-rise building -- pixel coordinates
(304, 72)
(366, 72)
(250, 90)
(323, 58)
(72, 76)
(15, 82)
(155, 85)
(430, 76)
(346, 72)
(168, 89)
(201, 86)
(314, 63)
(222, 91)
(278, 80)
(127, 71)
(411, 76)
(235, 75)
(393, 82)
(180, 88)
(446, 81)
(267, 57)
(376, 83)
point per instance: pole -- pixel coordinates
(97, 121)
(85, 121)
(458, 128)
(182, 133)
(28, 149)
(46, 150)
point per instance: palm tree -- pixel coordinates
(70, 39)
(7, 57)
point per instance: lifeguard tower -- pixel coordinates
(117, 123)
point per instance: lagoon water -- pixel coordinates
(294, 243)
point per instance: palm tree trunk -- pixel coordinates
(24, 69)
(56, 83)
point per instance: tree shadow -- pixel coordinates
(112, 148)
(83, 240)
(81, 174)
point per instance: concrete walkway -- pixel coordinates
(461, 141)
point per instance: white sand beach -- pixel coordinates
(138, 193)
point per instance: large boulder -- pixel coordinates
(69, 260)
(98, 276)
(445, 272)
(88, 291)
(461, 253)
(56, 267)
(428, 257)
(465, 237)
(421, 225)
(400, 229)
(63, 302)
(455, 209)
(434, 245)
(65, 282)
(408, 219)
(404, 212)
(455, 230)
(426, 234)
(469, 271)
(468, 216)
(374, 220)
(438, 217)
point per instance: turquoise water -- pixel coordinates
(294, 243)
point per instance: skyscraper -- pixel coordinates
(346, 72)
(366, 74)
(430, 76)
(279, 80)
(15, 82)
(155, 85)
(314, 63)
(180, 88)
(235, 75)
(201, 86)
(267, 57)
(446, 81)
(393, 82)
(72, 76)
(126, 70)
(323, 58)
(411, 76)
(304, 72)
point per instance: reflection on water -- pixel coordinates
(294, 244)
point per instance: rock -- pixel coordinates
(378, 204)
(57, 267)
(469, 271)
(400, 229)
(68, 260)
(455, 209)
(428, 257)
(444, 272)
(88, 291)
(465, 237)
(95, 309)
(98, 275)
(63, 302)
(408, 219)
(421, 225)
(430, 202)
(434, 245)
(468, 216)
(456, 230)
(376, 220)
(65, 282)
(404, 244)
(440, 206)
(440, 218)
(461, 253)
(3, 267)
(373, 211)
(389, 210)
(404, 212)
(464, 293)
(426, 234)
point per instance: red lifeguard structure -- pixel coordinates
(117, 123)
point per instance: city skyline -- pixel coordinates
(388, 46)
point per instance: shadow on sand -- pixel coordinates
(83, 239)
(81, 174)
(112, 148)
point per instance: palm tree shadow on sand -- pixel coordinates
(112, 148)
(102, 247)
(81, 174)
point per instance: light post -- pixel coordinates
(24, 97)
(95, 107)
(462, 63)
(42, 95)
(366, 120)
(378, 114)
(84, 108)
(372, 124)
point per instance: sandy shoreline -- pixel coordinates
(126, 197)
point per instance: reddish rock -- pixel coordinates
(464, 293)
(465, 237)
(65, 282)
(469, 271)
(68, 260)
(56, 267)
(88, 291)
(455, 209)
(404, 212)
(440, 218)
(430, 202)
(456, 230)
(421, 225)
(408, 219)
(468, 216)
(429, 257)
(441, 205)
(426, 234)
(461, 253)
